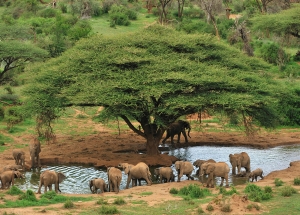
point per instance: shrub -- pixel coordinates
(29, 195)
(102, 201)
(173, 191)
(68, 204)
(14, 191)
(288, 191)
(209, 207)
(268, 189)
(49, 195)
(250, 206)
(296, 181)
(194, 191)
(256, 194)
(200, 211)
(48, 13)
(226, 208)
(229, 192)
(278, 182)
(119, 201)
(108, 210)
(118, 15)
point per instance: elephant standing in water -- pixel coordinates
(219, 169)
(7, 178)
(114, 179)
(238, 161)
(199, 162)
(49, 177)
(139, 171)
(35, 149)
(177, 128)
(98, 183)
(19, 156)
(184, 168)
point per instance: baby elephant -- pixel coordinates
(165, 173)
(255, 173)
(98, 183)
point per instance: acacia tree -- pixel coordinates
(153, 77)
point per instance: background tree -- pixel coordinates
(163, 11)
(153, 77)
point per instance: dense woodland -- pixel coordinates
(150, 62)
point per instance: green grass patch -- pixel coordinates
(13, 190)
(119, 201)
(288, 191)
(296, 181)
(222, 190)
(194, 191)
(278, 182)
(108, 210)
(68, 204)
(101, 201)
(256, 193)
(146, 193)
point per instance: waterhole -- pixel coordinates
(78, 177)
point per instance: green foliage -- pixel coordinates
(49, 195)
(200, 211)
(146, 193)
(193, 26)
(102, 201)
(256, 194)
(253, 205)
(47, 13)
(278, 182)
(268, 189)
(120, 15)
(173, 190)
(119, 201)
(194, 191)
(108, 210)
(287, 191)
(68, 204)
(297, 181)
(80, 30)
(13, 116)
(14, 191)
(229, 192)
(29, 196)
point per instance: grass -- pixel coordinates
(146, 193)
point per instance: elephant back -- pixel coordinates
(188, 167)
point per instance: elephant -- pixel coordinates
(134, 181)
(199, 162)
(165, 173)
(98, 183)
(7, 178)
(184, 168)
(35, 149)
(49, 177)
(19, 156)
(139, 171)
(219, 169)
(177, 128)
(12, 167)
(255, 173)
(238, 161)
(114, 179)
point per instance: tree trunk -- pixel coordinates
(152, 145)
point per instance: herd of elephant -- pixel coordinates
(136, 173)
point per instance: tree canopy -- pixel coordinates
(154, 76)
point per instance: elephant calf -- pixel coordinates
(184, 168)
(114, 179)
(98, 183)
(19, 157)
(7, 178)
(165, 173)
(255, 173)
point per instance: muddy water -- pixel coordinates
(78, 177)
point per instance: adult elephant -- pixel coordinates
(178, 127)
(199, 162)
(139, 171)
(114, 179)
(98, 184)
(184, 168)
(7, 178)
(49, 177)
(219, 169)
(34, 150)
(12, 167)
(164, 173)
(19, 156)
(238, 161)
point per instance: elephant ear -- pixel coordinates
(61, 177)
(210, 168)
(178, 165)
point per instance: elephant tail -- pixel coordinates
(91, 185)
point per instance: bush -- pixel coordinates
(49, 195)
(173, 191)
(102, 201)
(256, 194)
(296, 181)
(119, 201)
(288, 191)
(268, 189)
(118, 16)
(108, 210)
(14, 191)
(68, 204)
(194, 191)
(48, 13)
(200, 211)
(229, 192)
(278, 182)
(29, 196)
(209, 207)
(190, 26)
(226, 208)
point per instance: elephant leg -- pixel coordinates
(190, 177)
(222, 181)
(172, 139)
(128, 181)
(178, 139)
(45, 188)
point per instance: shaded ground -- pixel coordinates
(103, 149)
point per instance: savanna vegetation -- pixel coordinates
(193, 59)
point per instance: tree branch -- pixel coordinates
(132, 126)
